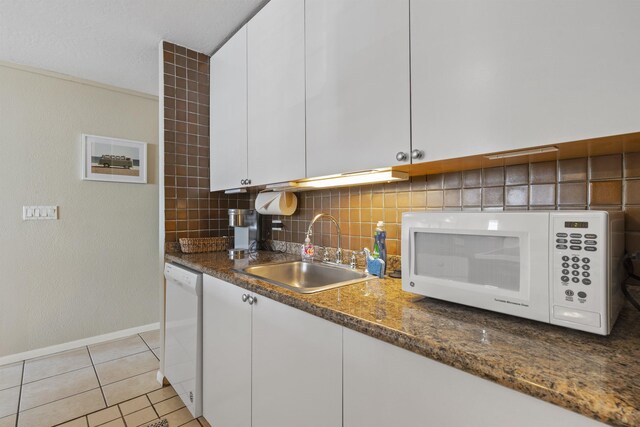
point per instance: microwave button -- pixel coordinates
(575, 235)
(561, 240)
(590, 236)
(564, 279)
(568, 293)
(575, 266)
(565, 271)
(586, 261)
(561, 234)
(561, 246)
(576, 241)
(565, 265)
(590, 242)
(586, 281)
(590, 248)
(586, 274)
(575, 273)
(575, 247)
(575, 259)
(586, 267)
(576, 280)
(565, 258)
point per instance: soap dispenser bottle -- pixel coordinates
(381, 242)
(307, 250)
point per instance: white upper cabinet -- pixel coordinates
(228, 70)
(275, 41)
(496, 75)
(357, 65)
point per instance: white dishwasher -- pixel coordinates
(183, 334)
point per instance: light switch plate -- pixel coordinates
(39, 212)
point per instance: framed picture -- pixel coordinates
(113, 159)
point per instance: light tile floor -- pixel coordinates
(109, 384)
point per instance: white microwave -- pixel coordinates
(558, 267)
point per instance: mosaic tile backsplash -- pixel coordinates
(609, 182)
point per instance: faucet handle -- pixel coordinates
(339, 256)
(325, 258)
(352, 264)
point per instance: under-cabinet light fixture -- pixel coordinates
(235, 191)
(522, 153)
(343, 180)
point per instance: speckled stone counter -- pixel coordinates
(593, 375)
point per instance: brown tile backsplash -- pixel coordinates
(572, 193)
(190, 209)
(605, 167)
(517, 174)
(572, 169)
(547, 185)
(543, 173)
(602, 193)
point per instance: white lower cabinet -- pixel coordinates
(267, 364)
(226, 358)
(385, 385)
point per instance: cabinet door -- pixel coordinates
(228, 70)
(497, 75)
(226, 358)
(357, 56)
(385, 385)
(297, 368)
(275, 40)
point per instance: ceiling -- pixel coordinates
(114, 42)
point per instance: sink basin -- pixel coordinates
(305, 277)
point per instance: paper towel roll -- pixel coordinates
(276, 203)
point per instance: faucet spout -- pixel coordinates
(330, 217)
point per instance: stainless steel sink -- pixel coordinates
(305, 277)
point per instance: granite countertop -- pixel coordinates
(593, 375)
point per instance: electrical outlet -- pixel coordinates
(30, 213)
(277, 225)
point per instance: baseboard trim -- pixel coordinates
(45, 351)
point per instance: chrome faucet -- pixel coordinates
(310, 232)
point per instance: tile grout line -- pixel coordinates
(117, 405)
(61, 373)
(62, 398)
(20, 394)
(93, 365)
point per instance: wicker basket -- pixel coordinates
(204, 244)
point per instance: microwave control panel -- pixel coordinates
(579, 270)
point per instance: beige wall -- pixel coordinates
(95, 270)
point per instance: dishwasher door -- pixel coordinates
(183, 335)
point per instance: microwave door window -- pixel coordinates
(489, 261)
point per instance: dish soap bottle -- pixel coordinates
(308, 250)
(380, 245)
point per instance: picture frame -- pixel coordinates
(113, 159)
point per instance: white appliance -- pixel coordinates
(559, 267)
(183, 335)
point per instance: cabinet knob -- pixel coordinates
(252, 300)
(248, 181)
(417, 154)
(242, 181)
(401, 157)
(245, 297)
